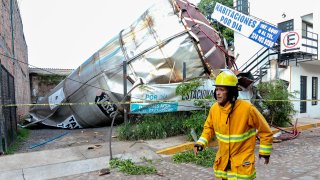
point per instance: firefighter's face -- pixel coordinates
(222, 95)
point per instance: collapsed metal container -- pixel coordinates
(154, 48)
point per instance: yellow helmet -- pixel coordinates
(226, 78)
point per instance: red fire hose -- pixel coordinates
(285, 134)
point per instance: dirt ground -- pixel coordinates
(44, 138)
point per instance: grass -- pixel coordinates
(194, 121)
(160, 126)
(152, 127)
(205, 158)
(22, 135)
(130, 168)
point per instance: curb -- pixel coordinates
(301, 127)
(182, 147)
(176, 149)
(189, 145)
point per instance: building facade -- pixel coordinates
(296, 51)
(14, 52)
(14, 74)
(43, 80)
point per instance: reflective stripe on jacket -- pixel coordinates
(236, 138)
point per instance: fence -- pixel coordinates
(8, 116)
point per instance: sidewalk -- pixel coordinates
(294, 159)
(302, 124)
(62, 162)
(71, 161)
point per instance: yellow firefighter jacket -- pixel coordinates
(236, 138)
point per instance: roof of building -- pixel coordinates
(50, 71)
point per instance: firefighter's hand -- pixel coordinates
(266, 158)
(197, 148)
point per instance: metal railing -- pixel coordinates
(310, 42)
(260, 61)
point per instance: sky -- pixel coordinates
(65, 33)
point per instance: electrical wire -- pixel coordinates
(115, 68)
(86, 83)
(45, 70)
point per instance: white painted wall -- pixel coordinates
(313, 111)
(292, 74)
(271, 11)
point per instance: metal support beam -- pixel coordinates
(260, 75)
(184, 70)
(125, 113)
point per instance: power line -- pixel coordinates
(56, 73)
(116, 68)
(82, 84)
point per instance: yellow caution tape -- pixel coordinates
(159, 101)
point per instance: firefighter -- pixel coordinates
(235, 124)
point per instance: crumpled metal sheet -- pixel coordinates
(155, 47)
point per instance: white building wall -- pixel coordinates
(295, 86)
(309, 70)
(292, 74)
(272, 11)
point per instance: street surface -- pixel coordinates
(298, 159)
(72, 138)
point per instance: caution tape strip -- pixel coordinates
(160, 101)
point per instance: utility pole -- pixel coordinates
(125, 113)
(184, 70)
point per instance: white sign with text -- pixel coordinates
(256, 30)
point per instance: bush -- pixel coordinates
(185, 88)
(163, 125)
(196, 122)
(197, 118)
(276, 100)
(153, 127)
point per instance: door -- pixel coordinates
(303, 94)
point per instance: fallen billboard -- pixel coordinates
(160, 98)
(154, 49)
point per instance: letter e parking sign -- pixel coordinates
(290, 42)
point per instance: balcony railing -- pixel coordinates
(309, 42)
(308, 50)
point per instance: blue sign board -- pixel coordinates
(153, 108)
(265, 34)
(251, 27)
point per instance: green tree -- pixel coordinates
(207, 7)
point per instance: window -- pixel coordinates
(307, 29)
(286, 26)
(242, 6)
(303, 94)
(314, 90)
